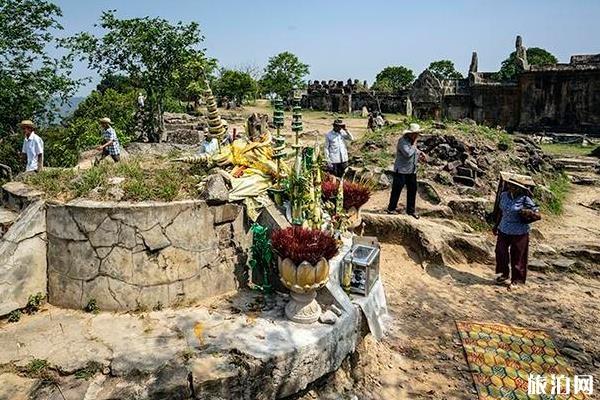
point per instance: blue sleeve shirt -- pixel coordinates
(511, 223)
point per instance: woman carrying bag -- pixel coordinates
(516, 212)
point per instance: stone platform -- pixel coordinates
(238, 347)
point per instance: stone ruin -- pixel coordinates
(149, 300)
(549, 98)
(346, 97)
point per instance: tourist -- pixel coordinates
(141, 100)
(405, 171)
(371, 122)
(111, 145)
(516, 210)
(33, 147)
(209, 146)
(379, 121)
(336, 152)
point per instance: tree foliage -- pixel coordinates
(148, 50)
(283, 72)
(236, 85)
(444, 69)
(30, 79)
(535, 56)
(393, 79)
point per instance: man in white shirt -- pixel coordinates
(33, 147)
(336, 152)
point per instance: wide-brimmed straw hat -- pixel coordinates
(517, 184)
(413, 128)
(105, 120)
(27, 122)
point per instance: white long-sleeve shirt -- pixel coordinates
(335, 146)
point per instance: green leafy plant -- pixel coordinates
(444, 69)
(393, 79)
(34, 302)
(14, 316)
(92, 307)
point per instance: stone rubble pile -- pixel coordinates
(184, 128)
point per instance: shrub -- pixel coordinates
(355, 195)
(302, 244)
(14, 316)
(34, 302)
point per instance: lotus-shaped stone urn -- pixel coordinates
(313, 247)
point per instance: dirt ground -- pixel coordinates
(422, 358)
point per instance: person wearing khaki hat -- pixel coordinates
(405, 170)
(33, 147)
(111, 145)
(336, 152)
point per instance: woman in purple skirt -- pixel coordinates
(512, 229)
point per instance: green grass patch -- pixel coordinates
(568, 150)
(485, 132)
(143, 180)
(554, 193)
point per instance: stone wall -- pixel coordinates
(145, 255)
(23, 259)
(561, 99)
(496, 104)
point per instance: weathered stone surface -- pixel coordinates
(216, 191)
(141, 256)
(23, 259)
(226, 213)
(164, 354)
(155, 239)
(17, 196)
(14, 387)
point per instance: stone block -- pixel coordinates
(193, 229)
(61, 224)
(118, 264)
(216, 191)
(155, 239)
(226, 213)
(23, 264)
(78, 260)
(464, 180)
(64, 291)
(273, 218)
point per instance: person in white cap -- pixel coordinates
(336, 152)
(111, 145)
(33, 147)
(405, 171)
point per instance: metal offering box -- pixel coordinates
(360, 269)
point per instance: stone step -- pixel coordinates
(7, 218)
(16, 196)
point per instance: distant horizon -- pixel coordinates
(348, 40)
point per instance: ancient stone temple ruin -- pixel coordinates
(340, 97)
(555, 98)
(559, 98)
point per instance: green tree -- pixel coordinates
(32, 82)
(535, 56)
(444, 69)
(190, 78)
(393, 79)
(149, 50)
(283, 72)
(236, 85)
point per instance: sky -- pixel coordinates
(357, 39)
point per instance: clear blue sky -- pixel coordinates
(356, 39)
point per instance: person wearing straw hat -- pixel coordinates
(33, 147)
(336, 152)
(405, 171)
(516, 211)
(111, 145)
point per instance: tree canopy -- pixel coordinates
(535, 56)
(393, 79)
(236, 85)
(31, 80)
(444, 69)
(283, 72)
(149, 50)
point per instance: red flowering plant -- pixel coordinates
(355, 195)
(302, 244)
(329, 187)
